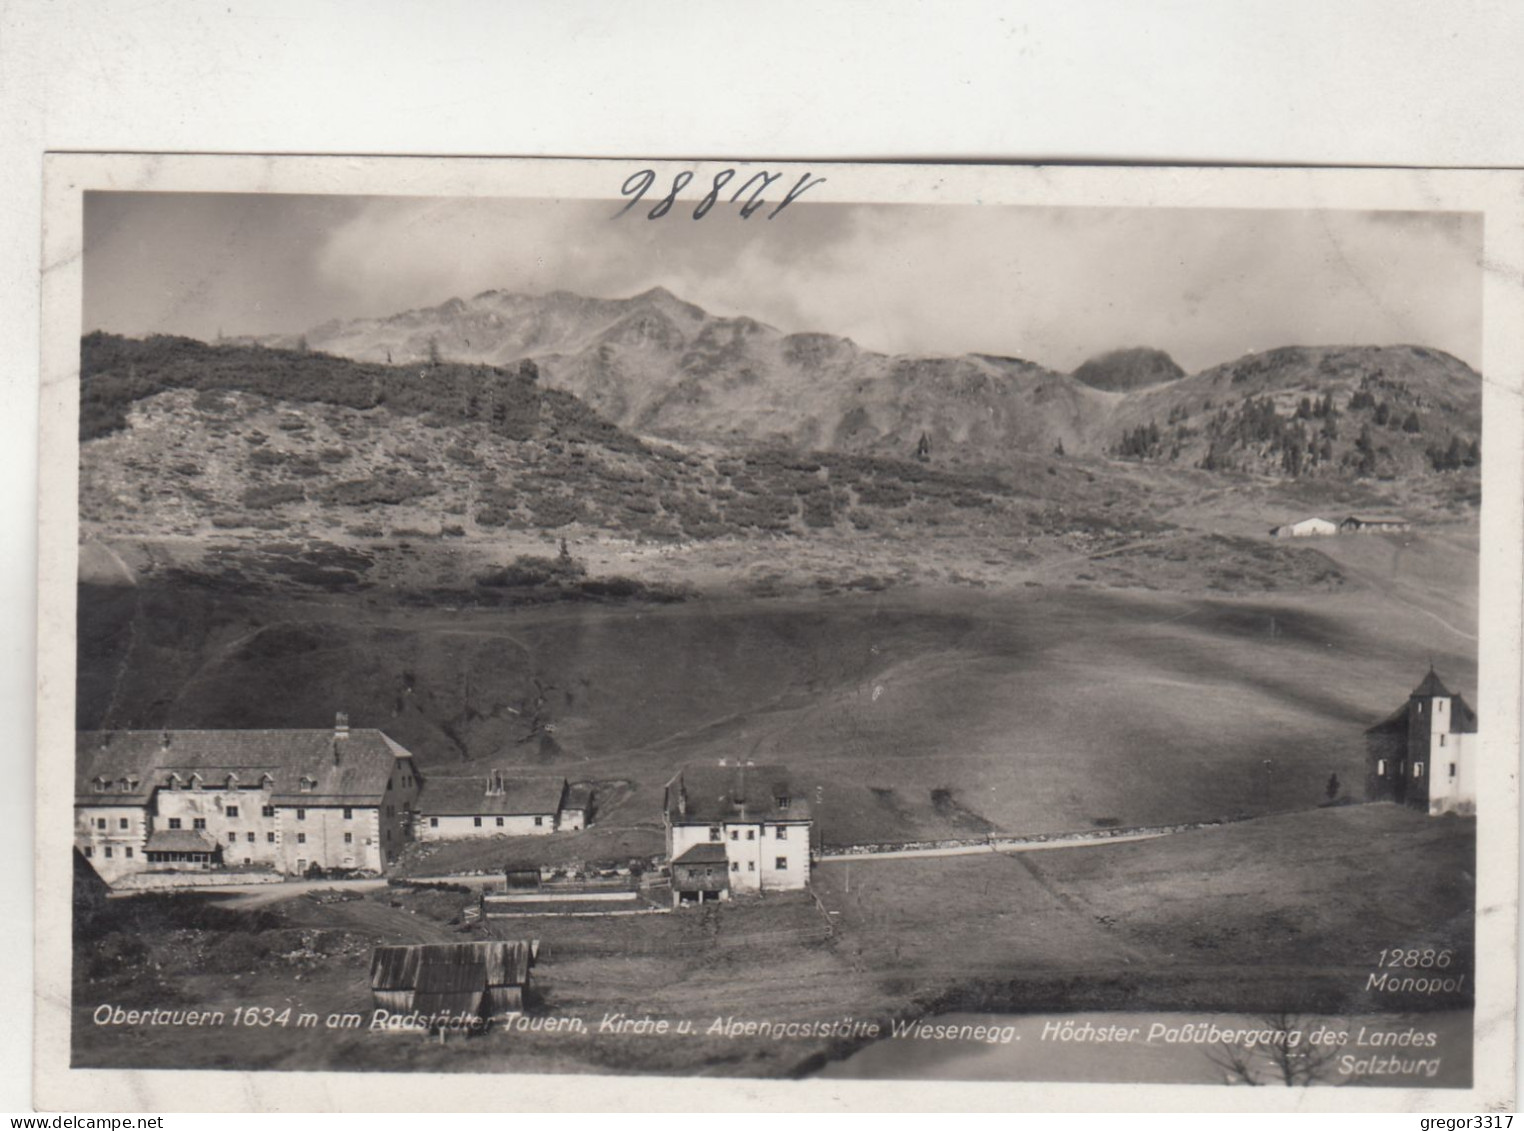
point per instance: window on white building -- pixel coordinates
(1442, 739)
(174, 822)
(107, 851)
(500, 822)
(198, 822)
(100, 823)
(89, 852)
(267, 811)
(751, 865)
(301, 838)
(735, 834)
(231, 810)
(477, 821)
(269, 838)
(781, 832)
(127, 852)
(349, 838)
(539, 822)
(1418, 769)
(735, 865)
(301, 814)
(349, 814)
(433, 822)
(751, 834)
(250, 838)
(1452, 769)
(714, 832)
(232, 838)
(781, 864)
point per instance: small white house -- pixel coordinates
(493, 805)
(1307, 528)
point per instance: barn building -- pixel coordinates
(1424, 754)
(740, 828)
(492, 805)
(1306, 528)
(1374, 524)
(279, 799)
(452, 985)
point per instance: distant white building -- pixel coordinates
(739, 828)
(1307, 528)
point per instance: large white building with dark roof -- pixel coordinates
(280, 799)
(736, 828)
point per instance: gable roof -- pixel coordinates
(711, 794)
(451, 967)
(469, 797)
(133, 763)
(180, 840)
(703, 854)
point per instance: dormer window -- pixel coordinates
(194, 782)
(100, 785)
(783, 801)
(308, 785)
(266, 782)
(232, 782)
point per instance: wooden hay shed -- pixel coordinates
(472, 979)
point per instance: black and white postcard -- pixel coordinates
(820, 634)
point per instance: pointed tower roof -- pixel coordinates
(1430, 688)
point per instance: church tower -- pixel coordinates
(1423, 754)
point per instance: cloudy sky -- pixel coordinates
(1049, 284)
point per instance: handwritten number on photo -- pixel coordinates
(637, 184)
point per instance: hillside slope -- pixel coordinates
(1396, 412)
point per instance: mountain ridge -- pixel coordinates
(658, 365)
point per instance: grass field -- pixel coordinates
(1284, 913)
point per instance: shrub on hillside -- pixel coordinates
(273, 495)
(114, 953)
(554, 510)
(386, 490)
(529, 570)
